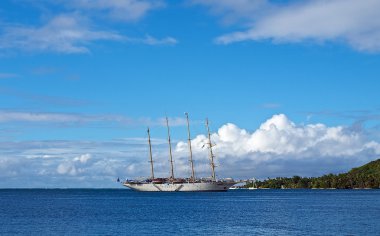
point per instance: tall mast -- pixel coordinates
(150, 155)
(212, 164)
(190, 150)
(170, 151)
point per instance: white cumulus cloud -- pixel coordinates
(83, 158)
(278, 135)
(281, 143)
(278, 147)
(74, 166)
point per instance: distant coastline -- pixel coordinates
(363, 177)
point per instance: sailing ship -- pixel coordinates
(173, 184)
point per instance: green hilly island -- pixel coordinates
(366, 176)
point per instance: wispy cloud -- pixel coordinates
(154, 41)
(63, 34)
(358, 116)
(271, 105)
(355, 23)
(119, 10)
(8, 75)
(234, 11)
(8, 133)
(13, 116)
(77, 118)
(68, 34)
(40, 98)
(44, 70)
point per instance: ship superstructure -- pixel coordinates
(190, 184)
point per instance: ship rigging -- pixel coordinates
(172, 184)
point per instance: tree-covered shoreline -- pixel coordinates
(366, 176)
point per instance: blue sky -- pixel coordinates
(80, 72)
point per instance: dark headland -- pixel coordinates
(363, 177)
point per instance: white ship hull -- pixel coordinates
(181, 187)
(172, 184)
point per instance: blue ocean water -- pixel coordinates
(237, 212)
